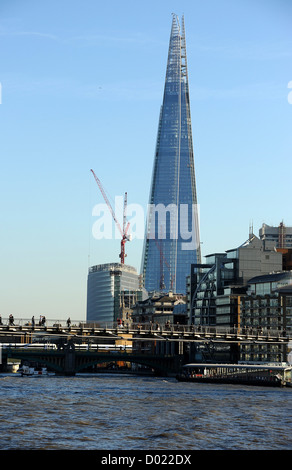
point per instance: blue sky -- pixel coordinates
(82, 85)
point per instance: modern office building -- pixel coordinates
(281, 236)
(106, 287)
(267, 307)
(215, 288)
(172, 235)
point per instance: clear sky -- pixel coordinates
(82, 85)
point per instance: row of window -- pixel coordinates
(260, 302)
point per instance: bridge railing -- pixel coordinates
(200, 329)
(144, 327)
(40, 322)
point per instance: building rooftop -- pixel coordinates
(285, 289)
(272, 277)
(113, 267)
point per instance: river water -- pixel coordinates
(107, 411)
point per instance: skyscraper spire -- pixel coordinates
(172, 238)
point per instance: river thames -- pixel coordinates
(108, 411)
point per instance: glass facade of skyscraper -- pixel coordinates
(105, 284)
(172, 238)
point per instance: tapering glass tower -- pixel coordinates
(172, 235)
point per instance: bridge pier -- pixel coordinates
(3, 364)
(69, 360)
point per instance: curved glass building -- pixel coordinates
(172, 235)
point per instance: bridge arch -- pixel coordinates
(47, 361)
(160, 367)
(56, 360)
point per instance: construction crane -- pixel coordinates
(161, 283)
(123, 231)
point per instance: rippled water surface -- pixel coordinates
(106, 411)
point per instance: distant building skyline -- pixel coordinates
(172, 241)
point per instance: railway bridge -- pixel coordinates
(69, 360)
(68, 349)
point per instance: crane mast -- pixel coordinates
(163, 260)
(123, 231)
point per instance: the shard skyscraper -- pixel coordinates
(172, 234)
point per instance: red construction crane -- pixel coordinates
(124, 231)
(161, 283)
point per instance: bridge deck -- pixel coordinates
(135, 332)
